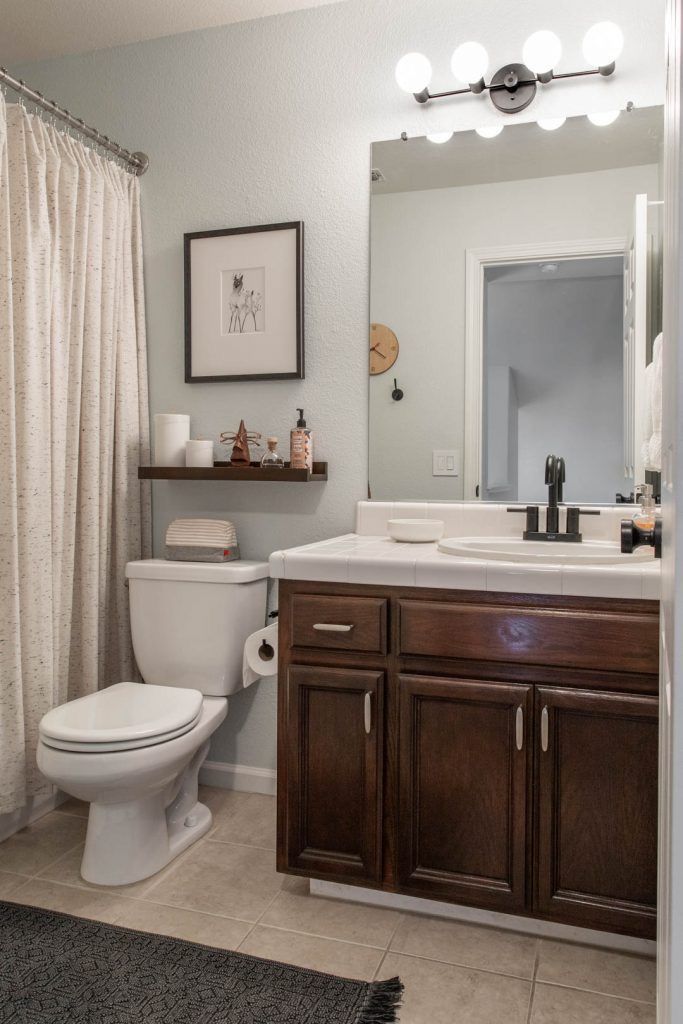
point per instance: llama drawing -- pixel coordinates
(243, 291)
(235, 302)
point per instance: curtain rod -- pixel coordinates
(138, 162)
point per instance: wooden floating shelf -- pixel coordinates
(224, 471)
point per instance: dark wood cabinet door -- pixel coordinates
(597, 809)
(334, 755)
(464, 766)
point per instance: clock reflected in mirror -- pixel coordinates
(383, 348)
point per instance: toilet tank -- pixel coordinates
(189, 620)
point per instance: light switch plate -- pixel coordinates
(446, 462)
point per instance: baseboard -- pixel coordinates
(490, 918)
(23, 816)
(238, 776)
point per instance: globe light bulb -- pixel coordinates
(602, 44)
(413, 72)
(602, 118)
(440, 137)
(542, 52)
(489, 131)
(549, 124)
(469, 63)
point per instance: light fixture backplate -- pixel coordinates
(522, 88)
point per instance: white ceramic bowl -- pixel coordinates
(415, 531)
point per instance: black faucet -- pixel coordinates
(555, 476)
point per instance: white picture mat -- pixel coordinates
(273, 350)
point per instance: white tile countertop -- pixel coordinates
(369, 556)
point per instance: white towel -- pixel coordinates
(652, 448)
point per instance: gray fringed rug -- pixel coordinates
(58, 969)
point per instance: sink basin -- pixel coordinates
(514, 549)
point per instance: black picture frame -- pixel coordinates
(188, 238)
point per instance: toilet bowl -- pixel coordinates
(133, 751)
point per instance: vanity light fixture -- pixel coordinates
(513, 87)
(440, 137)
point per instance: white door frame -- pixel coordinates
(476, 262)
(670, 894)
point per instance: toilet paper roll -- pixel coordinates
(260, 655)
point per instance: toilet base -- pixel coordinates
(145, 841)
(130, 840)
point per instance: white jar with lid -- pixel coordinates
(171, 434)
(199, 452)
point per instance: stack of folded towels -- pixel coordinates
(201, 540)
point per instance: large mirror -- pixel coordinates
(514, 306)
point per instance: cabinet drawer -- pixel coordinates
(339, 623)
(593, 639)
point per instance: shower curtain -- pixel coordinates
(74, 427)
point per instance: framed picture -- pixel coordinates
(244, 303)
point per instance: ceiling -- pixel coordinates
(574, 269)
(520, 151)
(36, 29)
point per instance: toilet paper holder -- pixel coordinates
(266, 651)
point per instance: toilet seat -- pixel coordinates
(126, 716)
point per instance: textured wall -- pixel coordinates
(272, 120)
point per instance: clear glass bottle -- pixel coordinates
(271, 459)
(644, 518)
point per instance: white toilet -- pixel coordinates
(134, 750)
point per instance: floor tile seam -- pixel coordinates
(596, 992)
(51, 863)
(229, 842)
(318, 935)
(259, 919)
(460, 966)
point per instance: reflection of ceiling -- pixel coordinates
(520, 151)
(566, 270)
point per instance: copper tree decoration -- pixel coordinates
(240, 442)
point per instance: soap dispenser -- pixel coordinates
(301, 445)
(644, 517)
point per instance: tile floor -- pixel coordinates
(224, 891)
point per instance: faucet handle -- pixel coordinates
(531, 516)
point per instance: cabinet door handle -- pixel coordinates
(331, 627)
(519, 728)
(544, 729)
(367, 713)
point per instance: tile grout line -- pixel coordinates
(258, 920)
(463, 967)
(38, 874)
(532, 991)
(596, 992)
(388, 947)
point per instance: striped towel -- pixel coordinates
(201, 540)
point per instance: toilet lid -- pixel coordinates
(123, 715)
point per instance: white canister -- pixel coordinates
(171, 434)
(199, 453)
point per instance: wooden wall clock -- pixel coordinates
(383, 348)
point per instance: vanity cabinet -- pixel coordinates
(334, 734)
(464, 772)
(597, 807)
(495, 750)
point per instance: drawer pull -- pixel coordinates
(367, 713)
(544, 729)
(331, 627)
(519, 728)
